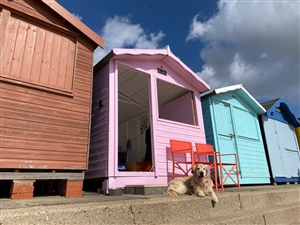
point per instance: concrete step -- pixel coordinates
(156, 209)
(297, 222)
(278, 214)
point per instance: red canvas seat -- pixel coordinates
(182, 156)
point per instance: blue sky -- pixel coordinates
(256, 43)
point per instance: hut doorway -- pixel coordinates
(134, 119)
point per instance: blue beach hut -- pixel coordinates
(278, 128)
(231, 124)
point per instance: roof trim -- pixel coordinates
(238, 87)
(75, 22)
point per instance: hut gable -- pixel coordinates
(164, 56)
(278, 109)
(241, 92)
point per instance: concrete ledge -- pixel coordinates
(145, 189)
(283, 214)
(159, 209)
(140, 211)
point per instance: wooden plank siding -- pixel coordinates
(34, 10)
(98, 155)
(45, 57)
(166, 130)
(207, 121)
(40, 129)
(45, 82)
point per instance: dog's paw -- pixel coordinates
(190, 192)
(200, 194)
(215, 199)
(172, 193)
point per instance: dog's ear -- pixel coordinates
(207, 171)
(193, 169)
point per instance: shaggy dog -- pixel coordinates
(199, 183)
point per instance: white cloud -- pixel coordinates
(255, 43)
(119, 32)
(77, 16)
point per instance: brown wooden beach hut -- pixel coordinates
(45, 96)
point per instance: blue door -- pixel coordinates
(225, 133)
(289, 152)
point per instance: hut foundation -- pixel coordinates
(21, 189)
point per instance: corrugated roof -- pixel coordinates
(75, 22)
(242, 92)
(163, 55)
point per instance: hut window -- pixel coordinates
(175, 103)
(36, 55)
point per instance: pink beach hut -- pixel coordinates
(142, 98)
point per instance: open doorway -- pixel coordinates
(134, 134)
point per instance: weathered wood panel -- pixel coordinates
(45, 57)
(38, 145)
(42, 126)
(41, 176)
(42, 136)
(45, 82)
(31, 112)
(42, 155)
(49, 130)
(33, 9)
(4, 17)
(98, 154)
(46, 95)
(42, 164)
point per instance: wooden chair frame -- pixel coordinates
(233, 167)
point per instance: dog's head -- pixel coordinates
(200, 171)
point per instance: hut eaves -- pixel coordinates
(242, 92)
(75, 22)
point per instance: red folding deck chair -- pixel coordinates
(182, 156)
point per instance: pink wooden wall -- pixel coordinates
(180, 110)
